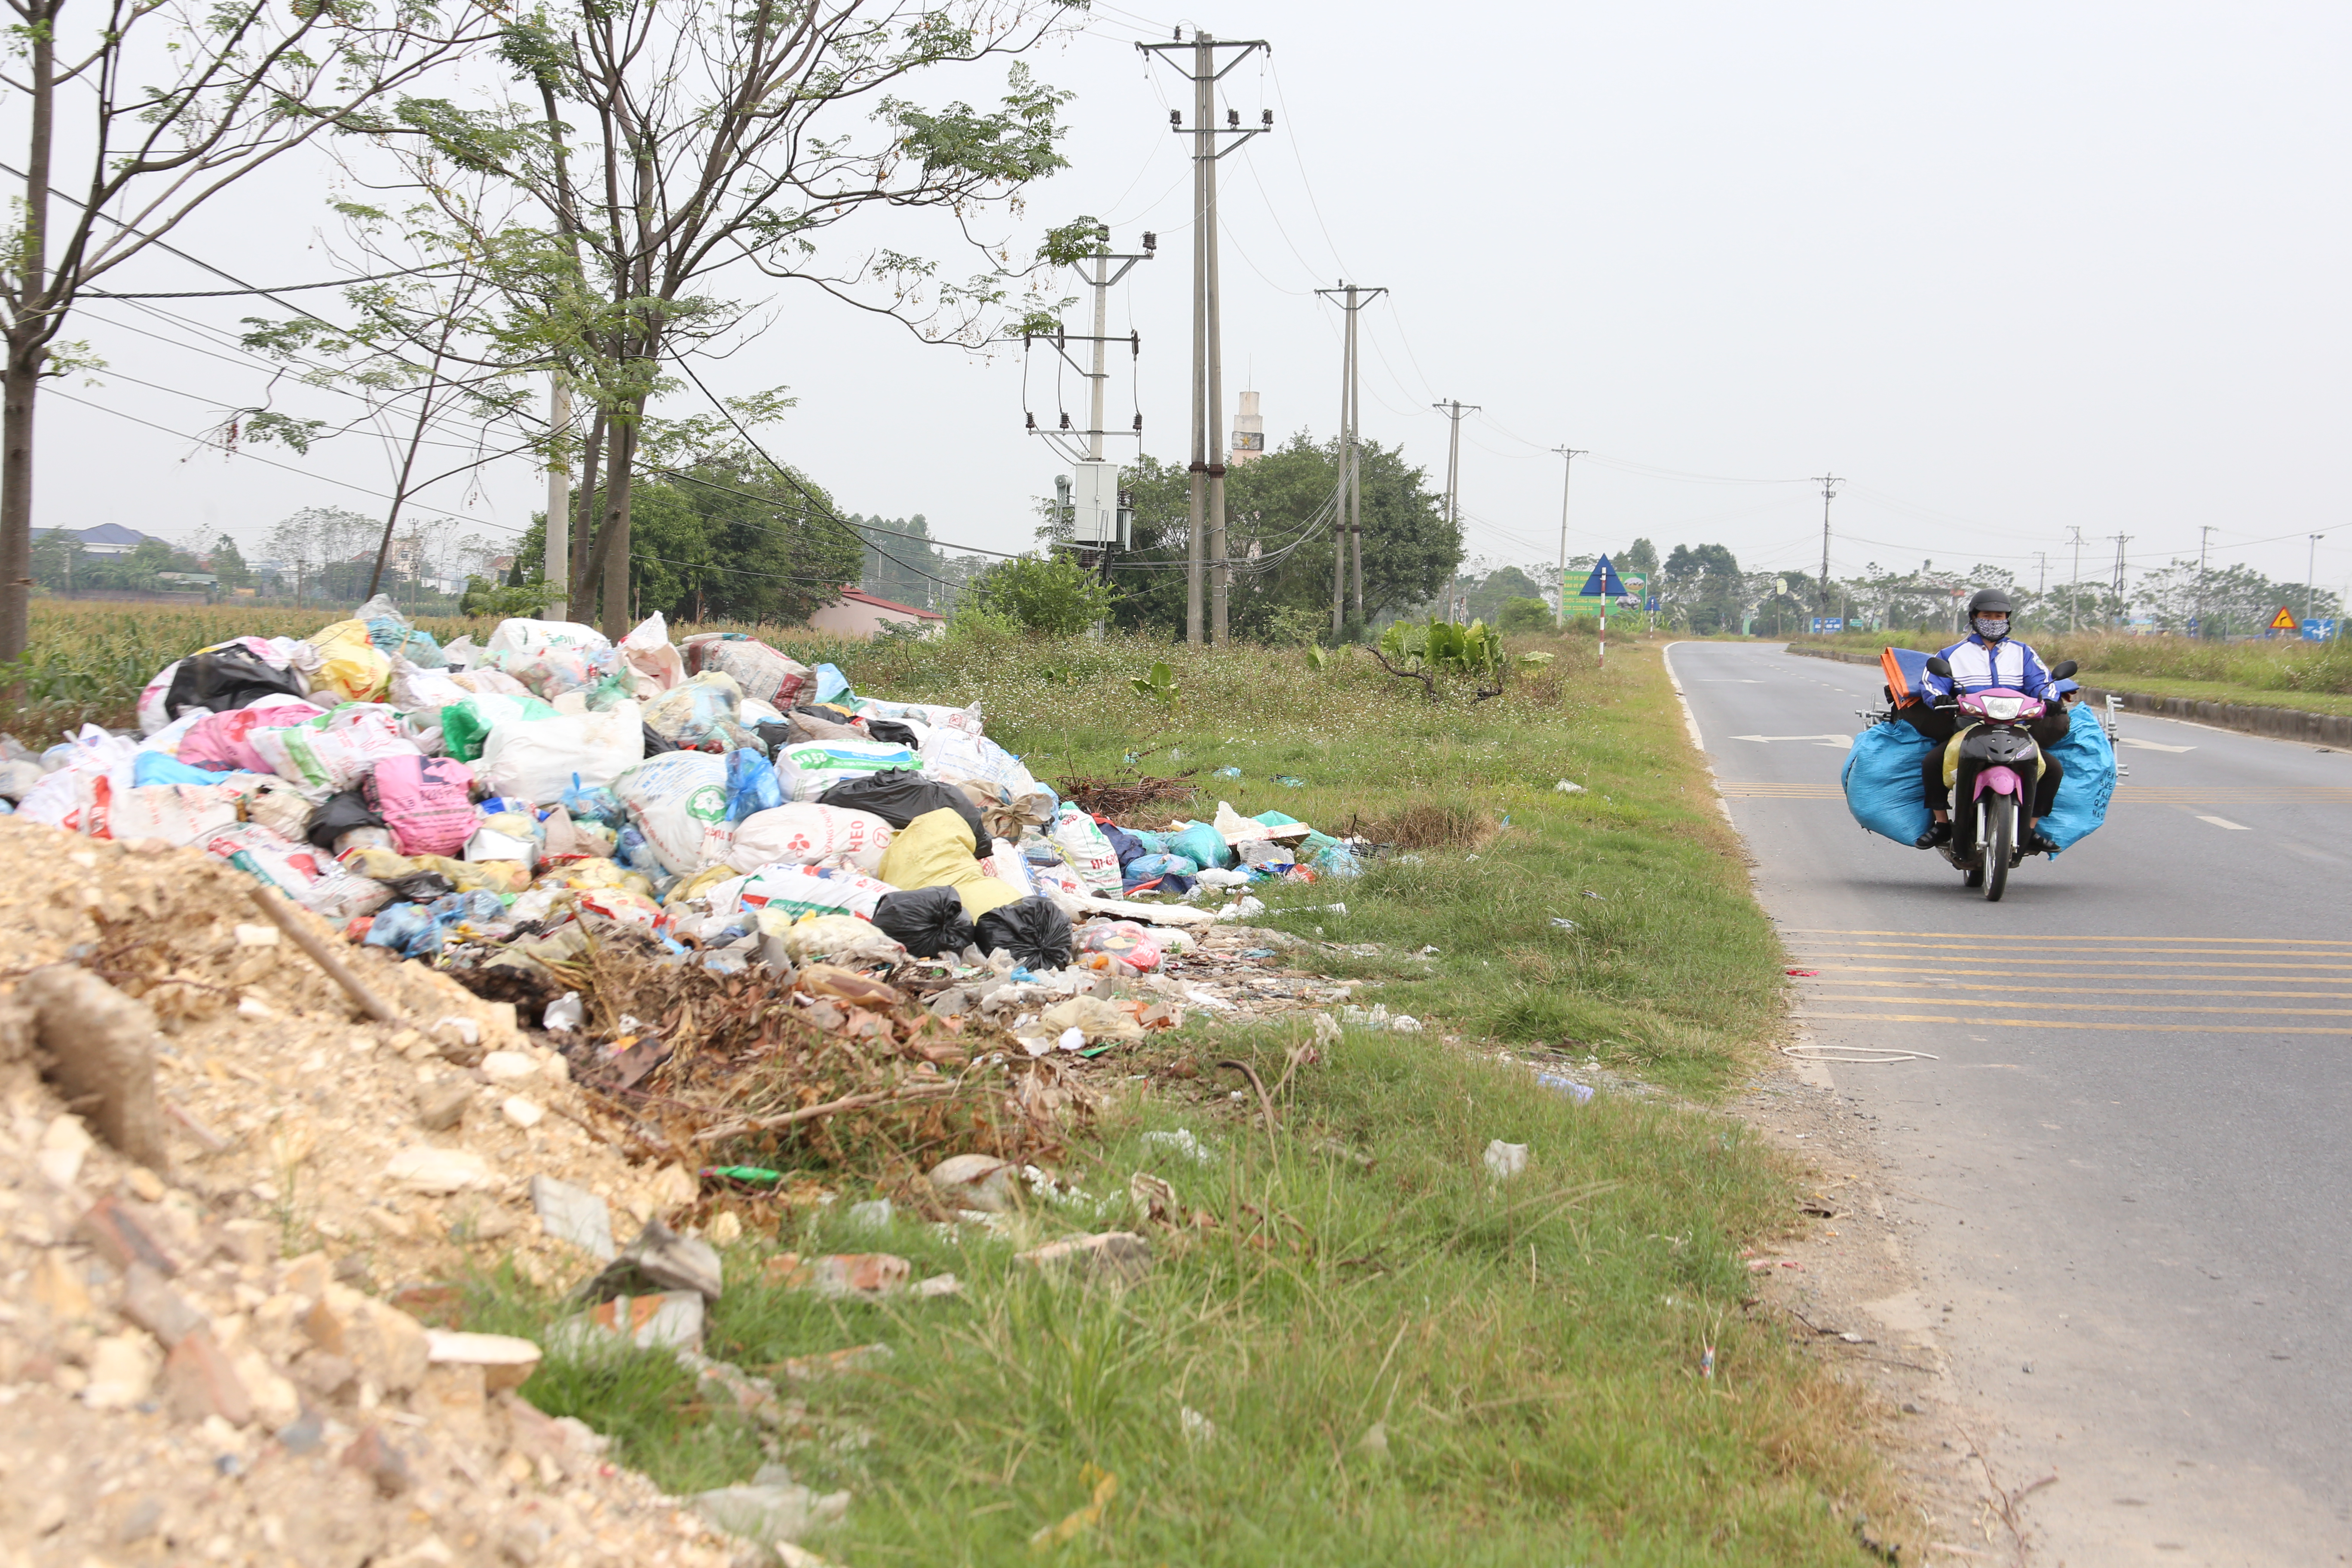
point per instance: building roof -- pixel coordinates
(113, 534)
(875, 601)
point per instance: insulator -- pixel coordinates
(1032, 422)
(1233, 117)
(1176, 118)
(1066, 421)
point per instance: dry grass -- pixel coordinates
(1434, 825)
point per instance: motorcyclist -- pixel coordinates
(1987, 658)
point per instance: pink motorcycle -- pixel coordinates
(2000, 765)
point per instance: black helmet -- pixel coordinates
(1990, 602)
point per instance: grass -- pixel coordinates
(1530, 1351)
(2315, 677)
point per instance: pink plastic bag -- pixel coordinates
(218, 740)
(427, 802)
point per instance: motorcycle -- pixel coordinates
(1989, 829)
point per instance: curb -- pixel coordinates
(2278, 723)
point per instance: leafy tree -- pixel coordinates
(1057, 597)
(1281, 535)
(1526, 615)
(226, 561)
(1639, 556)
(901, 563)
(1702, 589)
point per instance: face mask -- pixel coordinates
(1991, 628)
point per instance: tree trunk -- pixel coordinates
(23, 379)
(30, 328)
(612, 550)
(585, 519)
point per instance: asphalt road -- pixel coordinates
(2130, 1167)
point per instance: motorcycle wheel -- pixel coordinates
(1999, 841)
(1974, 879)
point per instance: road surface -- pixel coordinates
(2133, 1159)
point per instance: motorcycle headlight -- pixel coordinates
(2002, 708)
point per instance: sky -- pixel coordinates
(2011, 272)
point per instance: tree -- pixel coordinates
(1639, 556)
(316, 539)
(164, 104)
(717, 136)
(226, 561)
(1281, 534)
(1701, 588)
(901, 563)
(1523, 615)
(1057, 596)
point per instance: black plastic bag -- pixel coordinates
(340, 816)
(898, 795)
(422, 887)
(1033, 929)
(928, 922)
(657, 745)
(774, 733)
(891, 731)
(225, 678)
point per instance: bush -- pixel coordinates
(1058, 597)
(1523, 615)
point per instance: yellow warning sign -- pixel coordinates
(2285, 621)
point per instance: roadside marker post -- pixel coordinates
(1605, 583)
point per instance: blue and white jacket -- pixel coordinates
(1978, 665)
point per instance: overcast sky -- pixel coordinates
(2010, 271)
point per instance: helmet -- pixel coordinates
(1990, 601)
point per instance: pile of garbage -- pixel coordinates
(740, 895)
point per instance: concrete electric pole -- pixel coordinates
(1567, 464)
(2311, 580)
(1453, 410)
(1207, 546)
(1828, 483)
(2121, 540)
(557, 558)
(2197, 610)
(2074, 585)
(1348, 522)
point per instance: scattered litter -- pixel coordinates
(1505, 1160)
(1804, 973)
(1580, 1093)
(1567, 786)
(1563, 923)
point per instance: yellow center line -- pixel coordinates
(2126, 1007)
(2074, 1024)
(1824, 982)
(2190, 974)
(2029, 936)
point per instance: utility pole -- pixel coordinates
(1207, 510)
(1453, 410)
(556, 559)
(1567, 463)
(2041, 572)
(2121, 540)
(1828, 483)
(2075, 586)
(2197, 610)
(2311, 580)
(1348, 522)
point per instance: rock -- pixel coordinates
(524, 1113)
(872, 1215)
(664, 1259)
(145, 1184)
(868, 1274)
(199, 1380)
(671, 1321)
(453, 1395)
(507, 1361)
(121, 1370)
(979, 1182)
(1119, 1255)
(64, 1146)
(833, 1363)
(117, 1236)
(102, 1047)
(58, 1286)
(505, 1067)
(770, 1514)
(441, 1106)
(325, 1374)
(374, 1457)
(155, 1306)
(574, 1214)
(428, 1169)
(939, 1284)
(255, 935)
(390, 1346)
(275, 1400)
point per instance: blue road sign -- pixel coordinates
(2318, 631)
(1604, 581)
(1829, 622)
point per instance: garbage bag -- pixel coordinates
(1201, 844)
(751, 785)
(935, 850)
(1125, 845)
(810, 768)
(928, 713)
(1881, 781)
(928, 922)
(350, 667)
(427, 802)
(341, 814)
(254, 849)
(898, 797)
(1124, 941)
(679, 802)
(807, 833)
(1082, 844)
(958, 755)
(538, 759)
(584, 802)
(163, 768)
(280, 808)
(218, 740)
(549, 658)
(647, 650)
(1033, 929)
(407, 929)
(831, 686)
(690, 713)
(2084, 790)
(890, 732)
(174, 813)
(799, 890)
(467, 724)
(763, 673)
(334, 751)
(230, 676)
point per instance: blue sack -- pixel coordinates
(2089, 759)
(751, 784)
(1201, 844)
(155, 768)
(831, 686)
(1881, 781)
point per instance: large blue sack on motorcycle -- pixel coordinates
(2089, 759)
(1881, 781)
